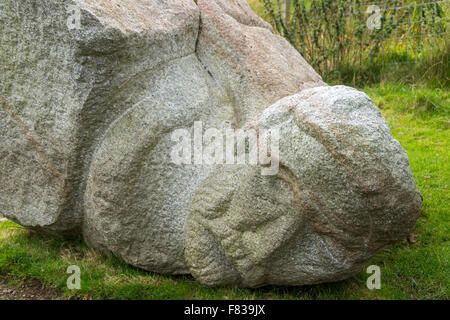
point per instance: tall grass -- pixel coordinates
(366, 41)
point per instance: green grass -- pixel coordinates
(419, 119)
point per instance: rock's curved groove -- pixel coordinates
(104, 99)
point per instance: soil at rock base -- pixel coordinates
(29, 290)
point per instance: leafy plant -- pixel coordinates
(331, 34)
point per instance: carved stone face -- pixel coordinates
(86, 121)
(333, 204)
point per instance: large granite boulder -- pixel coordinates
(89, 113)
(343, 191)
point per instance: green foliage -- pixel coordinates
(335, 38)
(431, 69)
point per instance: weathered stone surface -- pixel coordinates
(343, 191)
(137, 200)
(86, 142)
(254, 66)
(66, 86)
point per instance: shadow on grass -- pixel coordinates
(29, 254)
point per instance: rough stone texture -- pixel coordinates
(206, 86)
(86, 141)
(254, 66)
(65, 87)
(343, 191)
